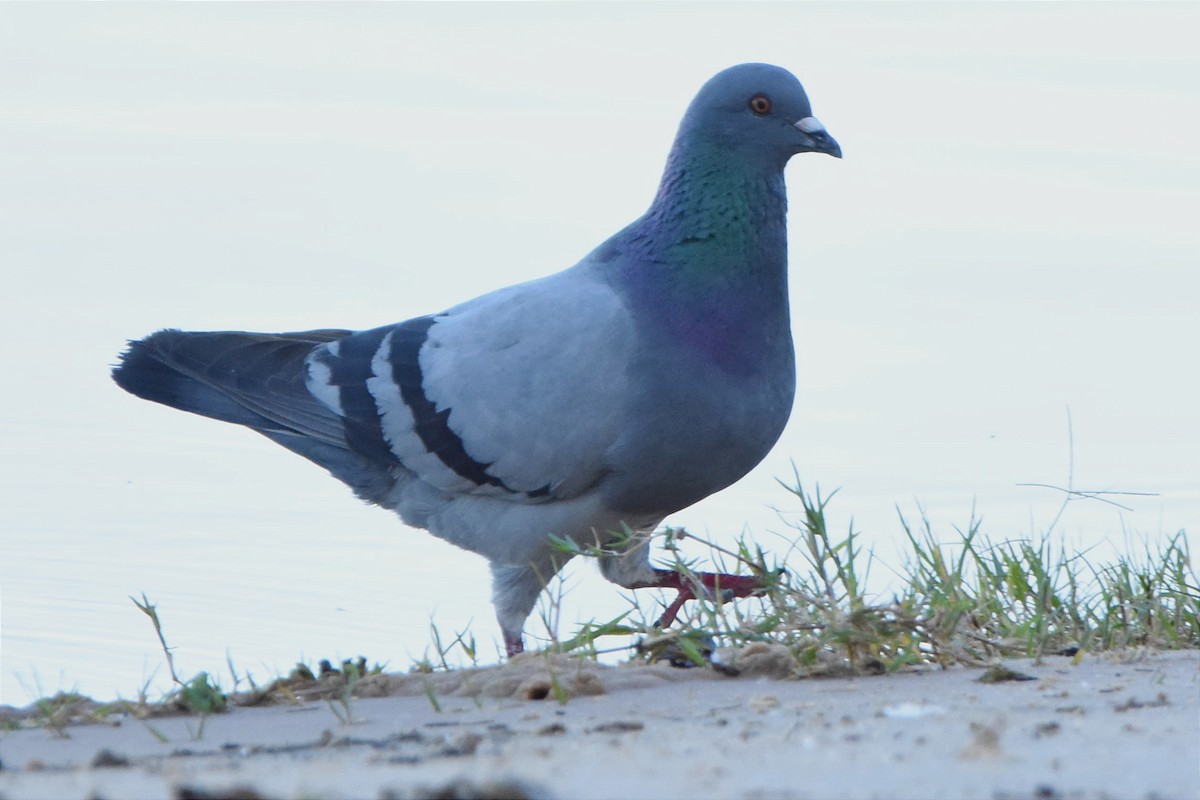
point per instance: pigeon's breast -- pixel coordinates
(698, 427)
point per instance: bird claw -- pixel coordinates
(731, 586)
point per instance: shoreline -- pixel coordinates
(1121, 724)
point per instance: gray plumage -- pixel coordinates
(656, 371)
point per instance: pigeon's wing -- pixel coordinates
(519, 393)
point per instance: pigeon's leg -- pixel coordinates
(632, 570)
(712, 583)
(515, 590)
(513, 644)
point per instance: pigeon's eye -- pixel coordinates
(760, 104)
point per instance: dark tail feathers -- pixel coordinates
(226, 375)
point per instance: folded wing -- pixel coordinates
(517, 394)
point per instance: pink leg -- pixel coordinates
(736, 585)
(713, 582)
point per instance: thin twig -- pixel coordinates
(680, 533)
(1070, 472)
(150, 611)
(1091, 495)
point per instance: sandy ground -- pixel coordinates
(1123, 726)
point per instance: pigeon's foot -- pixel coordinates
(513, 645)
(730, 586)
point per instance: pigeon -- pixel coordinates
(582, 407)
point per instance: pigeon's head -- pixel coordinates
(758, 110)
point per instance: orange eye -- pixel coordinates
(760, 104)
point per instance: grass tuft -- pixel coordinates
(965, 599)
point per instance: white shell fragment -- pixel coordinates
(912, 711)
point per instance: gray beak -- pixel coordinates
(818, 139)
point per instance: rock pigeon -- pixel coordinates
(584, 405)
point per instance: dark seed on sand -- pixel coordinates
(1002, 674)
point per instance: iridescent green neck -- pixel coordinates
(709, 259)
(717, 221)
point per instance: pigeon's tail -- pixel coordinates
(258, 380)
(252, 379)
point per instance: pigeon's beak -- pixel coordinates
(816, 138)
